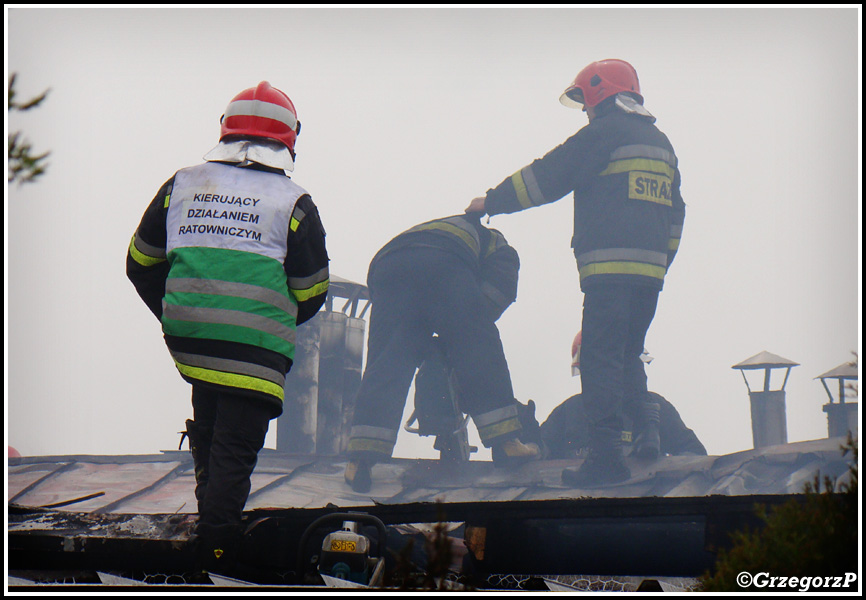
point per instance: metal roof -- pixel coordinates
(164, 483)
(134, 514)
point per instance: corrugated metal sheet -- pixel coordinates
(134, 514)
(164, 483)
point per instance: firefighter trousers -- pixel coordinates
(616, 318)
(230, 432)
(417, 292)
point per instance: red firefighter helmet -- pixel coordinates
(262, 111)
(600, 80)
(575, 354)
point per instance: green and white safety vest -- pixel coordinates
(226, 244)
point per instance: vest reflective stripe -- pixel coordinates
(230, 366)
(262, 295)
(227, 288)
(231, 380)
(145, 254)
(222, 316)
(227, 231)
(456, 227)
(674, 244)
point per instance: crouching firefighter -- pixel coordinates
(230, 256)
(451, 277)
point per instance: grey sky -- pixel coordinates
(407, 115)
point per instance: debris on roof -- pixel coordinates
(108, 513)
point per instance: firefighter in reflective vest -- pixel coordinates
(628, 219)
(230, 256)
(452, 277)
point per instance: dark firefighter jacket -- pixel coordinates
(484, 250)
(628, 212)
(231, 260)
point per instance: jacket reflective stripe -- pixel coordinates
(497, 241)
(306, 287)
(297, 216)
(623, 254)
(319, 288)
(644, 151)
(639, 164)
(373, 432)
(623, 261)
(676, 234)
(495, 423)
(167, 200)
(490, 432)
(494, 416)
(526, 187)
(223, 316)
(231, 380)
(230, 366)
(623, 268)
(368, 438)
(229, 288)
(456, 227)
(145, 254)
(367, 445)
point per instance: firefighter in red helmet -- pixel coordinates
(628, 219)
(230, 256)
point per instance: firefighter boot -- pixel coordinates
(530, 429)
(513, 452)
(647, 445)
(217, 548)
(199, 446)
(604, 464)
(359, 474)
